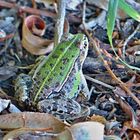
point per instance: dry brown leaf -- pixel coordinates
(34, 26)
(31, 120)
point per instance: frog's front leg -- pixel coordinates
(40, 61)
(23, 85)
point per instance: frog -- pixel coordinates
(59, 74)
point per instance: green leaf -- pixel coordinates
(112, 11)
(129, 10)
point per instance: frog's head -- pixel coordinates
(83, 45)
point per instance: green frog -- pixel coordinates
(59, 74)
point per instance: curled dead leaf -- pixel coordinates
(86, 131)
(32, 30)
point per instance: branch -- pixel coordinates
(59, 26)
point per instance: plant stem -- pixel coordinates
(59, 26)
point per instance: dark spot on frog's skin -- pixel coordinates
(50, 79)
(72, 56)
(37, 80)
(72, 80)
(57, 84)
(85, 44)
(65, 60)
(46, 72)
(62, 49)
(44, 78)
(44, 66)
(51, 65)
(34, 80)
(55, 56)
(82, 86)
(37, 86)
(85, 38)
(55, 74)
(23, 76)
(79, 65)
(46, 88)
(66, 87)
(54, 108)
(78, 88)
(61, 111)
(38, 73)
(17, 88)
(62, 68)
(61, 74)
(70, 48)
(49, 107)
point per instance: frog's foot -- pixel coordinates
(85, 111)
(61, 107)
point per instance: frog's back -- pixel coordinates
(55, 71)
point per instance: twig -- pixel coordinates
(99, 82)
(128, 39)
(27, 9)
(84, 12)
(59, 26)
